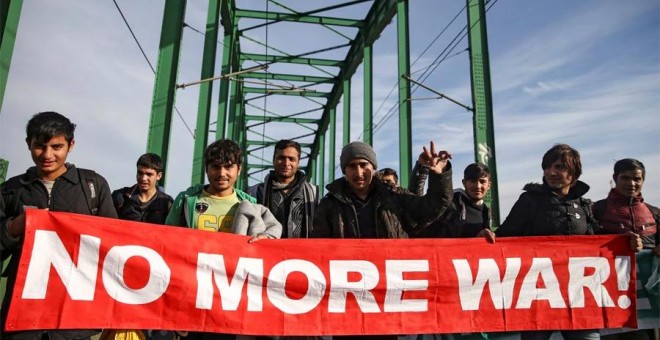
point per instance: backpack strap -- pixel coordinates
(90, 187)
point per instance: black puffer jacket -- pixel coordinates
(541, 212)
(397, 213)
(67, 195)
(127, 203)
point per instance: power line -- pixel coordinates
(149, 62)
(437, 61)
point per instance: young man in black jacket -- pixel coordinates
(51, 184)
(467, 214)
(143, 202)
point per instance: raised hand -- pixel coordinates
(435, 161)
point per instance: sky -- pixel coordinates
(583, 73)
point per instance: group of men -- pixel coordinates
(363, 203)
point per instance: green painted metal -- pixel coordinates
(291, 60)
(233, 99)
(346, 135)
(282, 119)
(205, 92)
(333, 144)
(367, 126)
(285, 92)
(321, 166)
(166, 72)
(405, 109)
(288, 77)
(10, 13)
(379, 16)
(484, 134)
(223, 97)
(310, 19)
(4, 169)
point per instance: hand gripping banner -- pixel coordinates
(82, 272)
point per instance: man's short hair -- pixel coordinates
(223, 151)
(286, 143)
(628, 164)
(389, 172)
(43, 126)
(150, 161)
(567, 155)
(476, 171)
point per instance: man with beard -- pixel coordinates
(357, 206)
(287, 193)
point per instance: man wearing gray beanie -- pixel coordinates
(360, 206)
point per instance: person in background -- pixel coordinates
(287, 192)
(143, 202)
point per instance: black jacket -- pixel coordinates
(397, 213)
(452, 223)
(541, 212)
(127, 203)
(296, 212)
(68, 195)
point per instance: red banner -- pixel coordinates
(86, 272)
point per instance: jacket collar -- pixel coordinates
(617, 197)
(31, 175)
(578, 189)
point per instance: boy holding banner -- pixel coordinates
(218, 206)
(51, 184)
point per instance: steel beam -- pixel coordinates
(346, 135)
(10, 13)
(205, 92)
(405, 109)
(310, 19)
(291, 60)
(367, 126)
(164, 89)
(483, 125)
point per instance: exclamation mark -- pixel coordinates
(622, 267)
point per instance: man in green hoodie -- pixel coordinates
(212, 207)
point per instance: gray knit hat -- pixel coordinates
(355, 150)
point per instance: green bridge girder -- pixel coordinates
(255, 79)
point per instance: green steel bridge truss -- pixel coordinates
(262, 98)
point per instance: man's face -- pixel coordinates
(147, 178)
(629, 183)
(359, 173)
(557, 177)
(50, 157)
(222, 178)
(476, 189)
(286, 162)
(389, 180)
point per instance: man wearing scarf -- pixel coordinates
(287, 193)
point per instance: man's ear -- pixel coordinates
(159, 175)
(29, 143)
(71, 144)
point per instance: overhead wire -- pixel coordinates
(149, 62)
(437, 61)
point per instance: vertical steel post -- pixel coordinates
(205, 91)
(333, 146)
(164, 88)
(223, 98)
(484, 134)
(346, 138)
(10, 13)
(322, 162)
(4, 168)
(367, 128)
(405, 109)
